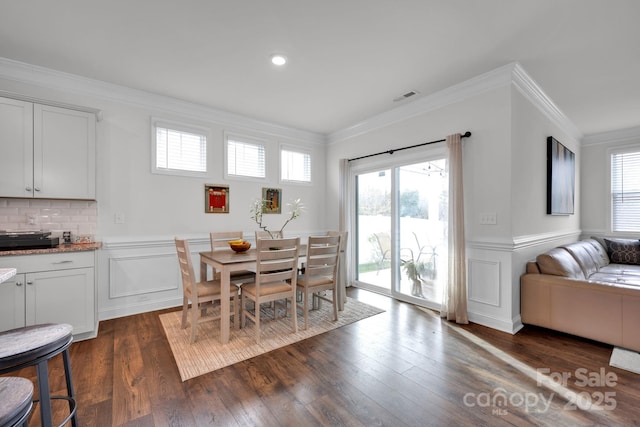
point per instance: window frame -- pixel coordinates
(249, 140)
(179, 127)
(299, 150)
(634, 148)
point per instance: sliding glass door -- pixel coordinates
(401, 228)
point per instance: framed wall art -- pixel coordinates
(216, 198)
(560, 178)
(273, 200)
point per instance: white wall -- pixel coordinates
(505, 174)
(137, 267)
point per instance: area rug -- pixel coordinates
(207, 354)
(625, 359)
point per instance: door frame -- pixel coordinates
(391, 162)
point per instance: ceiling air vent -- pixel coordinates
(406, 95)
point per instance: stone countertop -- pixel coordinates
(6, 274)
(72, 247)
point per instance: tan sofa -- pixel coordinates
(577, 289)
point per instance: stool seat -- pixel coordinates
(15, 400)
(35, 346)
(31, 342)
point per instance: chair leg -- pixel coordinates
(195, 311)
(185, 308)
(306, 308)
(70, 390)
(294, 315)
(243, 308)
(257, 322)
(335, 304)
(43, 392)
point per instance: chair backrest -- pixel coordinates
(277, 260)
(322, 256)
(184, 263)
(220, 239)
(343, 238)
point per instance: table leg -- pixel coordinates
(224, 306)
(203, 271)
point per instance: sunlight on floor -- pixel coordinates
(581, 400)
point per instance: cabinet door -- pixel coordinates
(16, 148)
(64, 153)
(12, 305)
(61, 296)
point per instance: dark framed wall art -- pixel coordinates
(273, 200)
(561, 172)
(216, 198)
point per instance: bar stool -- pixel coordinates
(15, 401)
(35, 346)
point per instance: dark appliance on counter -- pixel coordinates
(17, 240)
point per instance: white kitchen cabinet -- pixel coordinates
(50, 288)
(48, 152)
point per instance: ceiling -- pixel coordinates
(348, 59)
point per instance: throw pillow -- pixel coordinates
(623, 251)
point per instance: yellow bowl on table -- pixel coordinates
(239, 246)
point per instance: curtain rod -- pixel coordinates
(467, 134)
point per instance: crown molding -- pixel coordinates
(534, 93)
(511, 73)
(619, 136)
(71, 83)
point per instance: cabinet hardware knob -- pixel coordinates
(28, 188)
(18, 283)
(37, 188)
(29, 282)
(63, 262)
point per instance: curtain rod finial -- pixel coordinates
(467, 134)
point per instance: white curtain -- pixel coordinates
(344, 207)
(454, 304)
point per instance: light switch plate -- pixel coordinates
(488, 218)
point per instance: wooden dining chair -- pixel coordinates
(202, 294)
(220, 241)
(320, 273)
(276, 275)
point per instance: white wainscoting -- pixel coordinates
(137, 275)
(493, 276)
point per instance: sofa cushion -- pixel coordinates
(582, 253)
(559, 262)
(623, 251)
(600, 251)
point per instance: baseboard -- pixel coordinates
(510, 327)
(129, 310)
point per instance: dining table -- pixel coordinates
(227, 261)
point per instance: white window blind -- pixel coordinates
(625, 191)
(178, 150)
(245, 158)
(295, 166)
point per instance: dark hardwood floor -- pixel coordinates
(405, 367)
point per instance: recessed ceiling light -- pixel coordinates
(278, 59)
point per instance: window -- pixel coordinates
(178, 149)
(625, 191)
(295, 166)
(245, 157)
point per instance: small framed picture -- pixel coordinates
(216, 198)
(273, 200)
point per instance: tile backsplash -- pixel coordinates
(79, 217)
